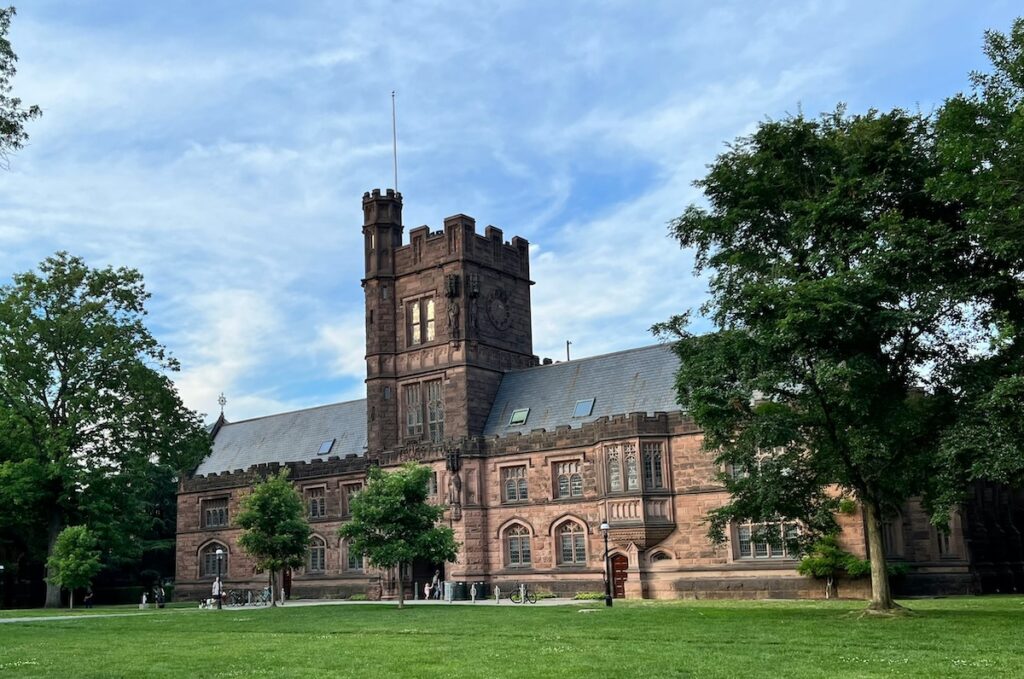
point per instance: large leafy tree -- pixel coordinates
(13, 115)
(980, 145)
(75, 560)
(86, 410)
(837, 293)
(276, 533)
(393, 524)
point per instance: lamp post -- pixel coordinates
(607, 568)
(1, 585)
(220, 583)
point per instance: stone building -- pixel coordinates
(529, 457)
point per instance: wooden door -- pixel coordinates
(619, 565)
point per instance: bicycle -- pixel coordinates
(522, 594)
(262, 597)
(235, 597)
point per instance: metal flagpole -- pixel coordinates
(394, 137)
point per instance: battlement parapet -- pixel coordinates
(319, 467)
(458, 240)
(628, 425)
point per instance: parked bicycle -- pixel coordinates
(247, 597)
(522, 594)
(262, 597)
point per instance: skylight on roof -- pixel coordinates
(326, 446)
(583, 408)
(519, 416)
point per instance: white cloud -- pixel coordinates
(343, 345)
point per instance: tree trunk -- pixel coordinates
(401, 588)
(52, 590)
(881, 596)
(273, 587)
(830, 587)
(71, 599)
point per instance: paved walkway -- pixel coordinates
(429, 602)
(297, 603)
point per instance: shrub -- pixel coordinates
(588, 596)
(358, 597)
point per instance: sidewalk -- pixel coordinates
(293, 603)
(429, 602)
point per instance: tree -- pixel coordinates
(980, 145)
(827, 560)
(12, 115)
(393, 525)
(85, 408)
(276, 531)
(74, 560)
(841, 305)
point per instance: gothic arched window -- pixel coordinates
(517, 539)
(572, 546)
(317, 562)
(208, 560)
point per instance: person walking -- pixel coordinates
(435, 585)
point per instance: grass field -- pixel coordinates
(960, 637)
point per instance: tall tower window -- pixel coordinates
(413, 411)
(435, 409)
(420, 321)
(654, 476)
(429, 320)
(414, 323)
(632, 475)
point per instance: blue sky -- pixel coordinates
(222, 148)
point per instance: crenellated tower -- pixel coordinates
(382, 236)
(446, 314)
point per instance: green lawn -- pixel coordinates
(81, 610)
(961, 637)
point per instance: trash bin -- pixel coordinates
(483, 590)
(460, 592)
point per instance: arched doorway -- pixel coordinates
(619, 565)
(422, 573)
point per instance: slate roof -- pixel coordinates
(289, 437)
(635, 380)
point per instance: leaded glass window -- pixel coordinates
(571, 544)
(632, 472)
(518, 539)
(769, 540)
(215, 512)
(614, 469)
(208, 561)
(654, 475)
(413, 411)
(317, 555)
(435, 410)
(569, 480)
(317, 503)
(514, 482)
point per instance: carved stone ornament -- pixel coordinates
(453, 319)
(497, 309)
